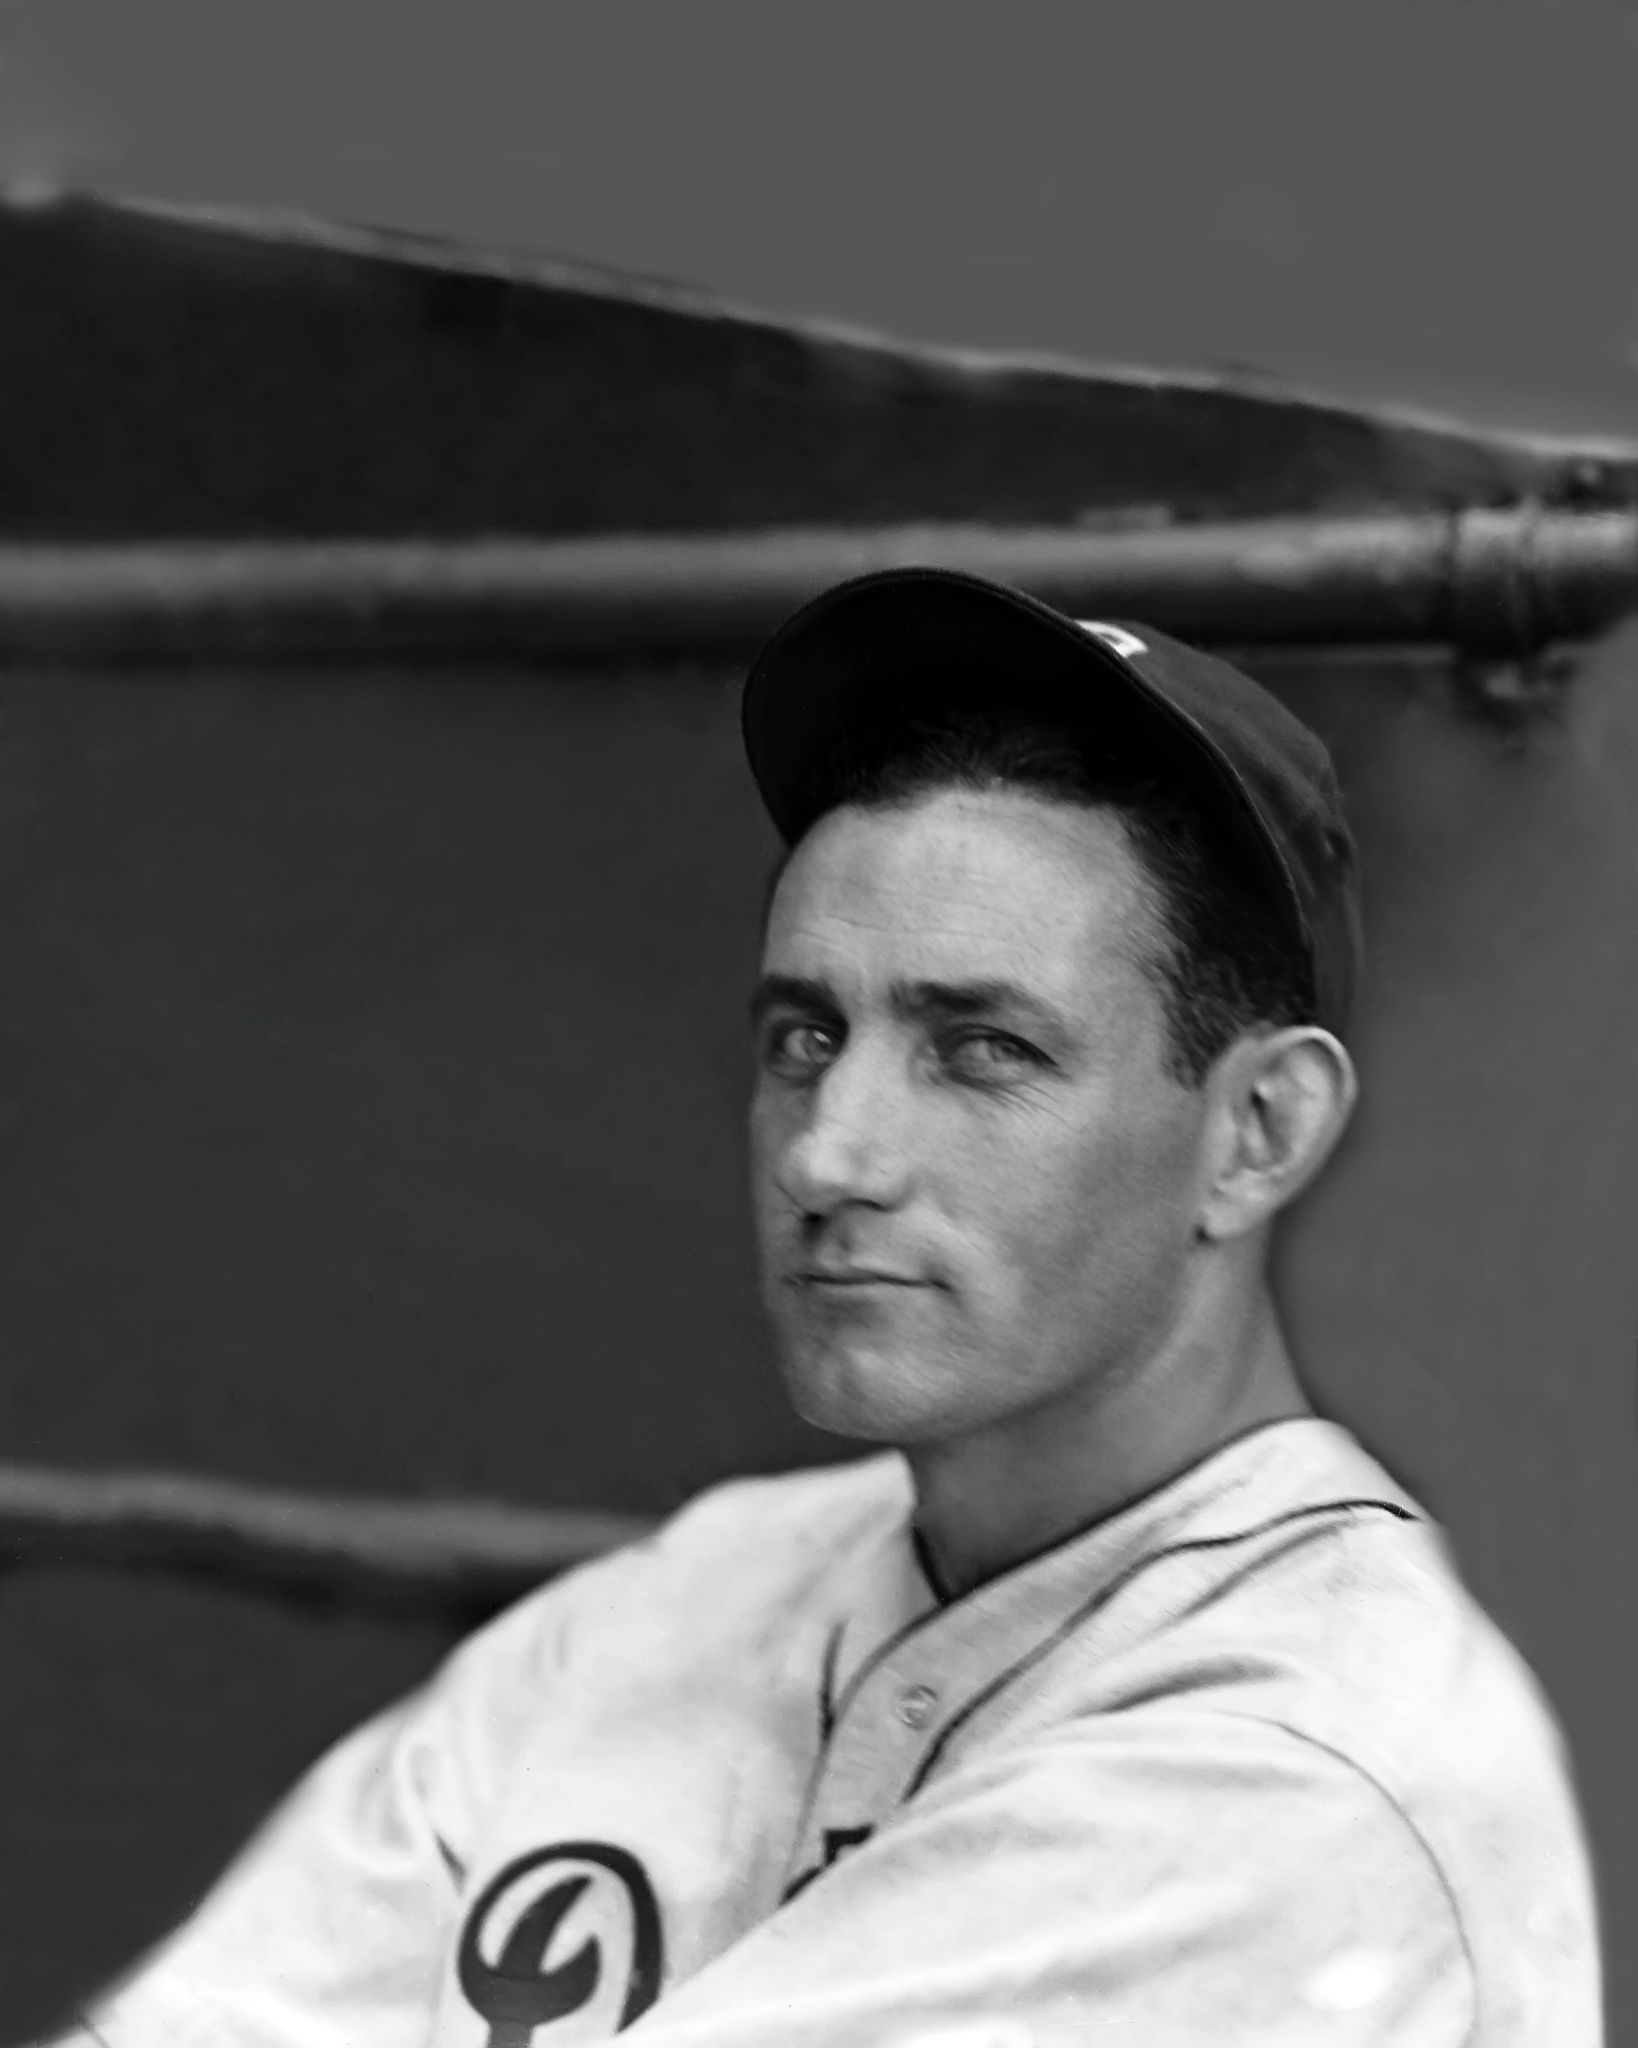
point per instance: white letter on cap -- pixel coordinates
(1117, 637)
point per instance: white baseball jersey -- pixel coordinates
(1242, 1764)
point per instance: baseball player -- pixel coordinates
(1110, 1694)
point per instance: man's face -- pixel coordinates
(975, 1183)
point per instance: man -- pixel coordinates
(1113, 1694)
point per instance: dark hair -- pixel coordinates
(1228, 959)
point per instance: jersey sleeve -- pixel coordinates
(1164, 1880)
(330, 1927)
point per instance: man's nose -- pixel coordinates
(853, 1144)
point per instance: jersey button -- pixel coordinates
(915, 1705)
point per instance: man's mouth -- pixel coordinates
(853, 1276)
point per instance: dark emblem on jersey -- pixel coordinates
(837, 1842)
(501, 1963)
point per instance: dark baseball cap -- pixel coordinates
(871, 659)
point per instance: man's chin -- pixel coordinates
(871, 1400)
(856, 1422)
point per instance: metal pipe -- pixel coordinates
(455, 1557)
(1501, 582)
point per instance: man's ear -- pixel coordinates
(1280, 1101)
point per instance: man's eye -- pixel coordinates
(799, 1048)
(991, 1055)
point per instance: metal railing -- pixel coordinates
(1501, 582)
(458, 1558)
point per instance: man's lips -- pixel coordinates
(853, 1276)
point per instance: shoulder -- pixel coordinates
(1373, 1644)
(1350, 1610)
(766, 1542)
(1337, 1707)
(800, 1512)
(1418, 1688)
(1338, 1610)
(738, 1551)
(1342, 1635)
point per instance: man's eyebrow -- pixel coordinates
(917, 1001)
(957, 999)
(793, 992)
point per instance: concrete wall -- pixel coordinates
(370, 1075)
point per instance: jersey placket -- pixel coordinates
(885, 1722)
(908, 1669)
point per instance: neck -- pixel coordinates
(990, 1501)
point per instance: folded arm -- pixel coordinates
(1166, 1880)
